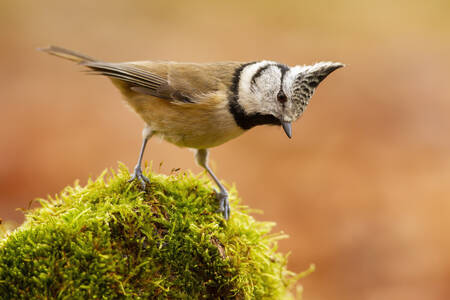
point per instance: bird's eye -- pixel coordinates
(281, 97)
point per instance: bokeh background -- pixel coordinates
(363, 188)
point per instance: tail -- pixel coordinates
(68, 54)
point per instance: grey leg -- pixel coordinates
(146, 133)
(202, 159)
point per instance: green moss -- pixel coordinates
(111, 240)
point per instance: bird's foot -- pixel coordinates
(224, 204)
(137, 175)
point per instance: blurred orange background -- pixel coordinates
(362, 188)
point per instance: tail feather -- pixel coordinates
(68, 54)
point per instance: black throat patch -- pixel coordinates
(244, 120)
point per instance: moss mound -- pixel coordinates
(111, 240)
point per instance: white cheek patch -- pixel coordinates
(261, 97)
(269, 82)
(247, 75)
(268, 86)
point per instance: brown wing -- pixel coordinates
(138, 80)
(173, 81)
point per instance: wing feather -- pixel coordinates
(139, 80)
(177, 82)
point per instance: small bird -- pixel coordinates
(203, 105)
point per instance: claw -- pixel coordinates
(224, 205)
(139, 176)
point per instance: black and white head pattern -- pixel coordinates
(268, 92)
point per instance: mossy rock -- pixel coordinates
(111, 240)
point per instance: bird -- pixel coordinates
(203, 105)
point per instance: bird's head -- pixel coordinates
(280, 94)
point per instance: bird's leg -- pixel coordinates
(222, 195)
(146, 133)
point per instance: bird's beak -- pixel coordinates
(287, 126)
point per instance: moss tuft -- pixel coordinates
(111, 240)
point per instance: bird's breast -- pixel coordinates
(204, 124)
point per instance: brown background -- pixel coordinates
(362, 188)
